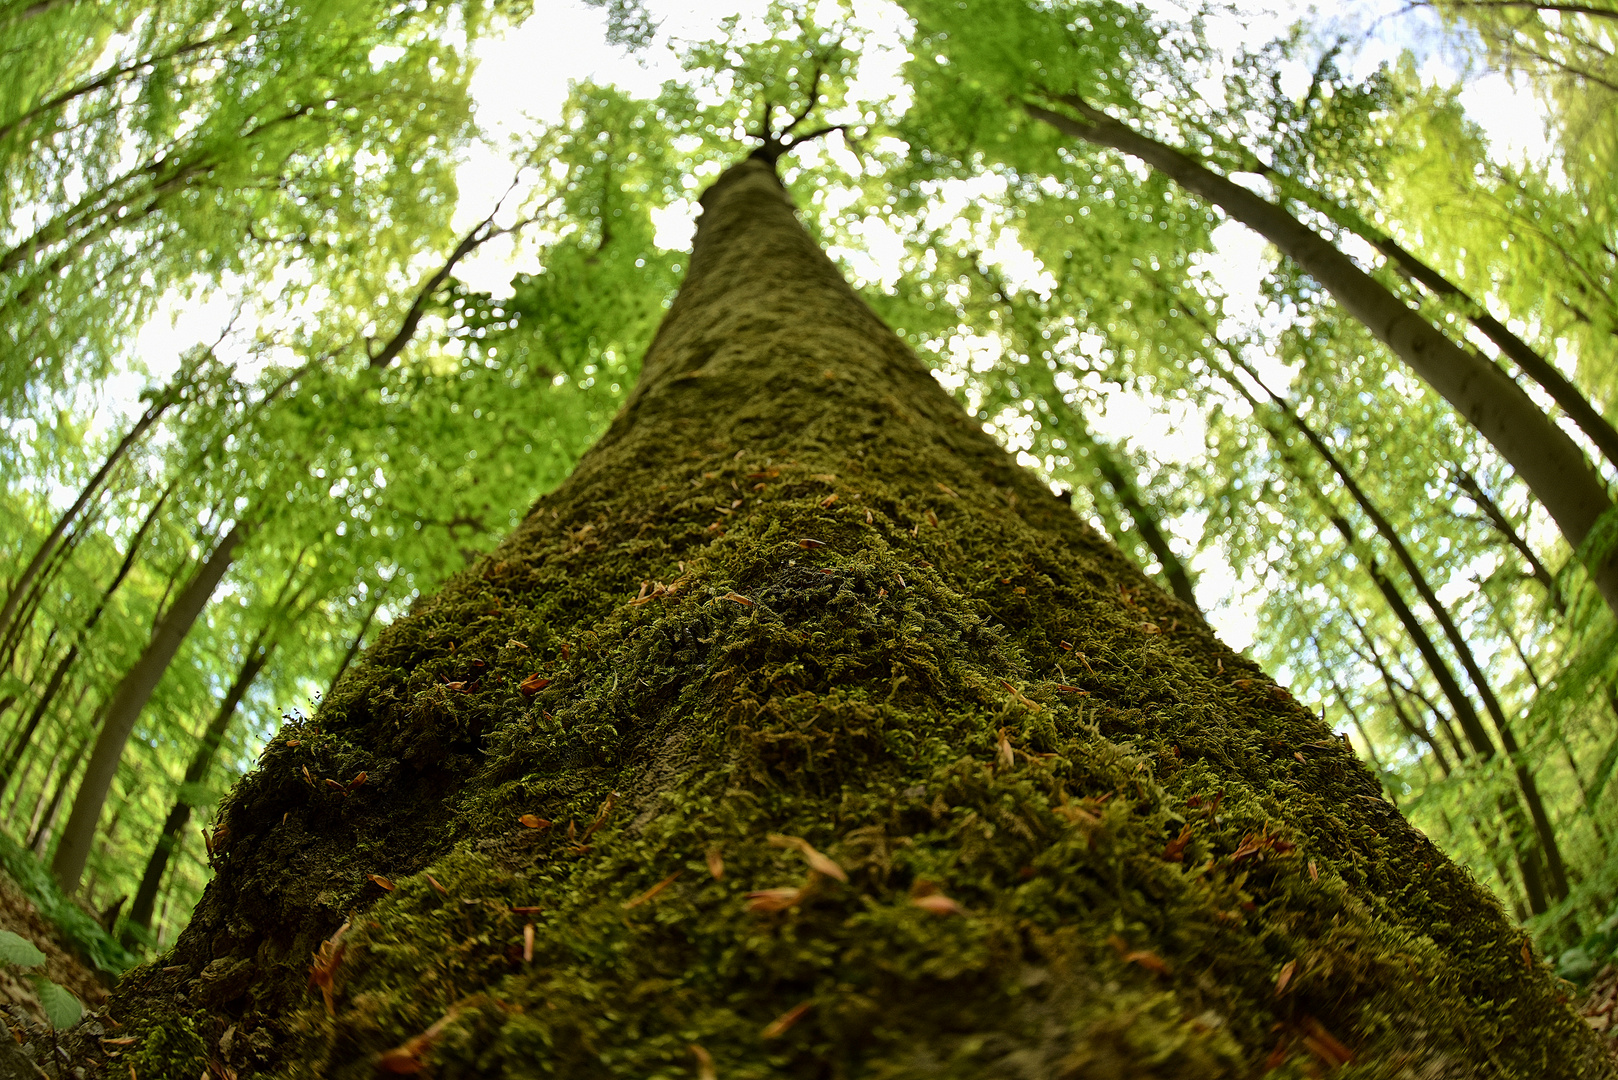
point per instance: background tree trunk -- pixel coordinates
(796, 619)
(118, 719)
(1543, 455)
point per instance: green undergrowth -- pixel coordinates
(77, 928)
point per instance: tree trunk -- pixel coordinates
(1569, 397)
(140, 912)
(746, 635)
(1458, 643)
(1146, 524)
(54, 684)
(1543, 455)
(118, 719)
(20, 587)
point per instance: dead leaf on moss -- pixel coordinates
(325, 967)
(819, 863)
(527, 942)
(1175, 851)
(533, 684)
(1285, 977)
(716, 864)
(938, 904)
(651, 893)
(773, 900)
(705, 1069)
(380, 882)
(406, 1058)
(533, 821)
(780, 1024)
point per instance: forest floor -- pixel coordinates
(1599, 1005)
(62, 963)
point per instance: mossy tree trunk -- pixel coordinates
(796, 618)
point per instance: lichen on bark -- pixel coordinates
(571, 817)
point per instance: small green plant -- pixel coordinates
(61, 1008)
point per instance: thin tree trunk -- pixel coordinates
(1569, 397)
(1543, 828)
(1543, 455)
(20, 587)
(1508, 532)
(1174, 570)
(354, 646)
(63, 666)
(140, 912)
(118, 719)
(44, 818)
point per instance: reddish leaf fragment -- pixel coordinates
(434, 883)
(828, 500)
(809, 543)
(1320, 1042)
(1148, 960)
(1314, 871)
(532, 909)
(1067, 645)
(819, 863)
(716, 864)
(1175, 851)
(651, 893)
(406, 1058)
(780, 1024)
(938, 904)
(945, 488)
(527, 942)
(773, 900)
(705, 1069)
(1285, 976)
(533, 684)
(294, 742)
(335, 786)
(460, 686)
(737, 598)
(380, 882)
(1003, 749)
(358, 781)
(532, 821)
(1065, 689)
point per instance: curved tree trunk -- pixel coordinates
(1569, 397)
(812, 783)
(1543, 455)
(1462, 648)
(53, 684)
(140, 912)
(19, 588)
(118, 719)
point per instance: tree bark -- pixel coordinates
(1543, 455)
(118, 719)
(732, 661)
(140, 912)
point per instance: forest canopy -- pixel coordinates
(1229, 283)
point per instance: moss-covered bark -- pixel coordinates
(795, 592)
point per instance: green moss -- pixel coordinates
(1161, 864)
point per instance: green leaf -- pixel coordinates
(61, 1008)
(19, 950)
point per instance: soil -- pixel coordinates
(62, 964)
(1600, 1006)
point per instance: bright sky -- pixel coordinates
(523, 80)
